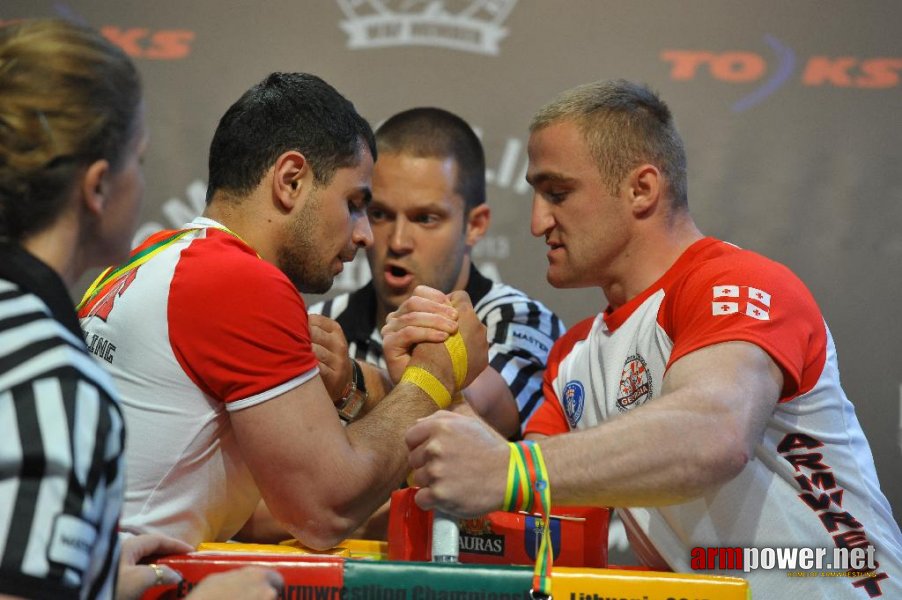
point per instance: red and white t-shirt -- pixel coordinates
(203, 328)
(811, 482)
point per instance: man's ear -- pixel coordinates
(644, 186)
(94, 187)
(291, 180)
(478, 220)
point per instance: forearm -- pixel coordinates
(502, 416)
(698, 434)
(490, 397)
(663, 454)
(378, 440)
(369, 459)
(355, 476)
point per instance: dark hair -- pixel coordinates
(285, 111)
(624, 125)
(69, 98)
(437, 133)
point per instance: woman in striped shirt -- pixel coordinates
(72, 138)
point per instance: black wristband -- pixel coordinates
(357, 374)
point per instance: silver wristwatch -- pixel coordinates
(354, 396)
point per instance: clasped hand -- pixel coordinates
(416, 332)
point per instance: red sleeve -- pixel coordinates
(237, 325)
(743, 296)
(549, 418)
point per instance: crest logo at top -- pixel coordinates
(466, 25)
(574, 401)
(635, 384)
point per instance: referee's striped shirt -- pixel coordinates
(520, 331)
(61, 443)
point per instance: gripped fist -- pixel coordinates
(436, 358)
(331, 350)
(459, 463)
(473, 333)
(425, 317)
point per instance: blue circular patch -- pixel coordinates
(574, 400)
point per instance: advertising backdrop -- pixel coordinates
(791, 113)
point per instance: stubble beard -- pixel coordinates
(299, 258)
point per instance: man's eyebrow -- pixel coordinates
(544, 177)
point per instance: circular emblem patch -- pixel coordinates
(635, 384)
(574, 400)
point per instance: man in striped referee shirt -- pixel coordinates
(427, 213)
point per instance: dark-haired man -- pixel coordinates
(427, 213)
(208, 340)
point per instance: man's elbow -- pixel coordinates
(724, 460)
(322, 534)
(319, 527)
(730, 464)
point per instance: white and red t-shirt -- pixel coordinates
(811, 481)
(203, 328)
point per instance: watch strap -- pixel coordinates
(354, 396)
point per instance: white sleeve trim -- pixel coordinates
(272, 392)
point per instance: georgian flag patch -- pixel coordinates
(744, 300)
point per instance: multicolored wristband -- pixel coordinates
(528, 490)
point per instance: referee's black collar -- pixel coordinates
(34, 276)
(359, 319)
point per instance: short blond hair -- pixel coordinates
(624, 124)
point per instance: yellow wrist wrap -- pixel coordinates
(430, 384)
(458, 352)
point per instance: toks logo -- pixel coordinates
(137, 42)
(467, 25)
(140, 42)
(751, 67)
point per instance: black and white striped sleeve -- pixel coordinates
(61, 460)
(520, 332)
(323, 308)
(362, 345)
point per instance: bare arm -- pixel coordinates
(699, 434)
(488, 395)
(331, 349)
(491, 399)
(321, 479)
